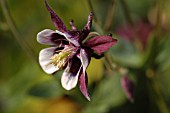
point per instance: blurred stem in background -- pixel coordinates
(150, 63)
(127, 13)
(109, 17)
(18, 37)
(129, 20)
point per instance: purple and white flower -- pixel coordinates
(70, 52)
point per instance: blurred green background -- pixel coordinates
(25, 88)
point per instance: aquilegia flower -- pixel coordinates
(70, 52)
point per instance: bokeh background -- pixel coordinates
(25, 88)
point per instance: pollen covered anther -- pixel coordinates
(59, 59)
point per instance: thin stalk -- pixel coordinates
(14, 30)
(109, 61)
(159, 17)
(126, 12)
(109, 17)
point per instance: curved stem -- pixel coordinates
(14, 30)
(109, 17)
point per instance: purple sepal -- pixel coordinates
(100, 44)
(56, 19)
(83, 81)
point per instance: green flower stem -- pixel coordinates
(110, 62)
(159, 17)
(15, 32)
(110, 15)
(126, 12)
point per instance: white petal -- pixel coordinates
(44, 60)
(44, 37)
(68, 80)
(85, 59)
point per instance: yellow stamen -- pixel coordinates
(59, 60)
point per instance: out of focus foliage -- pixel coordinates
(25, 88)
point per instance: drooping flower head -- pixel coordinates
(70, 52)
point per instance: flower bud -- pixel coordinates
(128, 87)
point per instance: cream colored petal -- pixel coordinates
(69, 80)
(45, 36)
(45, 61)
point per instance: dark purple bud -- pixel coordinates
(128, 87)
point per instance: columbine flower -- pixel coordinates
(70, 52)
